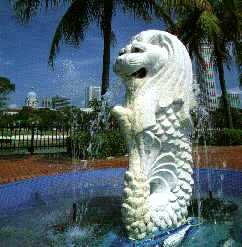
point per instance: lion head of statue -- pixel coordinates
(156, 64)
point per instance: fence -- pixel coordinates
(33, 138)
(36, 139)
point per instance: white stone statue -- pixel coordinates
(157, 72)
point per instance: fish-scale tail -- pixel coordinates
(135, 208)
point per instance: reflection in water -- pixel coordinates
(97, 222)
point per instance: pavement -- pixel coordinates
(15, 168)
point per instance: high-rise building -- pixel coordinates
(206, 78)
(196, 87)
(47, 102)
(234, 99)
(59, 102)
(92, 92)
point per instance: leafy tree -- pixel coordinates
(6, 120)
(81, 13)
(77, 19)
(26, 116)
(95, 105)
(220, 25)
(220, 120)
(6, 87)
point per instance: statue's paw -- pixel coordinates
(122, 111)
(128, 176)
(118, 110)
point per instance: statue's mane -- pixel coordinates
(174, 79)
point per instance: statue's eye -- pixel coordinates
(122, 51)
(136, 50)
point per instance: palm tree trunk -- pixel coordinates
(107, 30)
(224, 91)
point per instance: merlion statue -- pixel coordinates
(157, 72)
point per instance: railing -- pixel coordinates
(33, 138)
(38, 139)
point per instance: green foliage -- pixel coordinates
(6, 87)
(66, 117)
(72, 26)
(222, 137)
(106, 140)
(75, 23)
(230, 136)
(219, 25)
(25, 9)
(109, 143)
(77, 145)
(200, 4)
(219, 118)
(95, 105)
(209, 23)
(103, 144)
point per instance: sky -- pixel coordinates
(24, 51)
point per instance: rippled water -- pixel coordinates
(97, 222)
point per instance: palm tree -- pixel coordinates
(220, 26)
(230, 18)
(240, 76)
(82, 13)
(6, 87)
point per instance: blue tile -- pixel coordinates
(27, 193)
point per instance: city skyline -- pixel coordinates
(92, 92)
(24, 55)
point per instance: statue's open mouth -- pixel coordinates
(141, 73)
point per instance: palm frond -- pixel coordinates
(141, 9)
(56, 3)
(6, 86)
(26, 9)
(72, 26)
(230, 14)
(178, 4)
(209, 25)
(166, 14)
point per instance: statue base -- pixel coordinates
(169, 238)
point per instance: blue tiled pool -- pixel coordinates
(29, 209)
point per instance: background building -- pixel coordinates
(31, 100)
(234, 99)
(59, 102)
(47, 103)
(206, 78)
(92, 92)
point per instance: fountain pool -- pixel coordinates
(83, 209)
